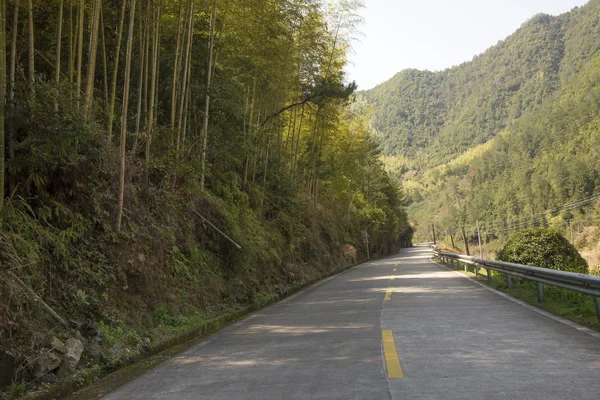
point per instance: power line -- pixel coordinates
(525, 220)
(531, 219)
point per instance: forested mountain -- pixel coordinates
(433, 117)
(165, 161)
(506, 139)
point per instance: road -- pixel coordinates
(419, 332)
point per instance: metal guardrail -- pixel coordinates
(581, 283)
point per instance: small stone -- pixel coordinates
(146, 342)
(51, 379)
(141, 257)
(56, 344)
(79, 337)
(93, 350)
(71, 358)
(46, 363)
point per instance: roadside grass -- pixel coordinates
(561, 302)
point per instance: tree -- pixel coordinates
(153, 80)
(207, 97)
(123, 141)
(2, 96)
(31, 46)
(115, 72)
(80, 22)
(544, 248)
(91, 72)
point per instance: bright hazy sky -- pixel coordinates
(436, 34)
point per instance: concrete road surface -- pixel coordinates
(419, 332)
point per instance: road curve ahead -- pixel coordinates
(417, 332)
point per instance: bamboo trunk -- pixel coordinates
(140, 82)
(113, 89)
(80, 21)
(31, 46)
(153, 82)
(36, 299)
(13, 52)
(2, 96)
(123, 141)
(58, 42)
(93, 51)
(250, 122)
(11, 90)
(207, 99)
(146, 59)
(185, 74)
(176, 72)
(296, 146)
(104, 63)
(71, 49)
(58, 50)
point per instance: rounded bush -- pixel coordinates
(545, 248)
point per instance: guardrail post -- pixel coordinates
(466, 268)
(489, 273)
(540, 291)
(509, 281)
(597, 302)
(476, 270)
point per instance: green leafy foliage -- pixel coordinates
(544, 248)
(504, 138)
(432, 118)
(290, 171)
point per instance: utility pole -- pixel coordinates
(479, 237)
(571, 229)
(433, 230)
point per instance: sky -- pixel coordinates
(435, 34)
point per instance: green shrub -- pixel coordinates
(17, 389)
(545, 248)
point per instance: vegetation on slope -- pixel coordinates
(544, 248)
(138, 122)
(508, 140)
(430, 118)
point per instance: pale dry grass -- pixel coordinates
(592, 256)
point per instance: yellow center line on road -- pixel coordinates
(392, 362)
(392, 278)
(394, 269)
(388, 295)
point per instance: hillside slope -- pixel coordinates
(430, 118)
(506, 139)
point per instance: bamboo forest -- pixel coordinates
(169, 161)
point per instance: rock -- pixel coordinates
(93, 350)
(79, 337)
(117, 351)
(146, 342)
(55, 344)
(71, 358)
(51, 379)
(46, 363)
(141, 257)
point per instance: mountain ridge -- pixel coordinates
(510, 134)
(432, 116)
